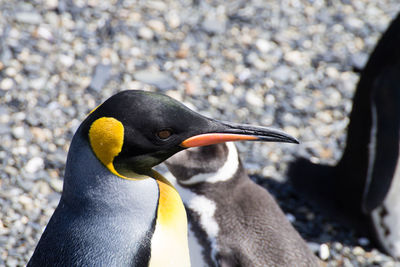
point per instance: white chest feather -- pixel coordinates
(205, 209)
(386, 217)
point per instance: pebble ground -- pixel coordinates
(291, 64)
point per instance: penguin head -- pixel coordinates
(133, 131)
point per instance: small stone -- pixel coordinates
(332, 72)
(11, 262)
(146, 33)
(263, 45)
(6, 84)
(324, 252)
(229, 78)
(213, 26)
(190, 87)
(347, 263)
(19, 150)
(34, 165)
(257, 62)
(161, 80)
(297, 58)
(354, 22)
(51, 4)
(244, 75)
(173, 20)
(363, 241)
(359, 60)
(301, 102)
(67, 61)
(254, 100)
(281, 73)
(41, 134)
(291, 218)
(38, 83)
(42, 187)
(227, 87)
(11, 170)
(44, 33)
(325, 116)
(18, 132)
(183, 51)
(11, 72)
(26, 202)
(156, 25)
(100, 77)
(358, 251)
(157, 5)
(28, 17)
(56, 184)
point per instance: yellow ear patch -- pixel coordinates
(106, 136)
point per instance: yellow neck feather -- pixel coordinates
(169, 245)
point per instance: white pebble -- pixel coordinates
(296, 57)
(44, 33)
(18, 132)
(34, 165)
(12, 261)
(67, 61)
(254, 100)
(363, 241)
(324, 252)
(290, 217)
(358, 251)
(56, 184)
(28, 17)
(156, 25)
(263, 45)
(173, 20)
(270, 99)
(6, 84)
(146, 33)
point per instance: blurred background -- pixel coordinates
(290, 64)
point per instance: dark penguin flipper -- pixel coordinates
(384, 69)
(386, 154)
(361, 155)
(362, 178)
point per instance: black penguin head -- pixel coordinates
(136, 130)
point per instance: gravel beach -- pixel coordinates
(290, 64)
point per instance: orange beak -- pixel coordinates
(237, 132)
(214, 138)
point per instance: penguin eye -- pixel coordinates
(164, 134)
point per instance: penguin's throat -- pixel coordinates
(130, 174)
(135, 166)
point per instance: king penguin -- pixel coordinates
(232, 220)
(364, 187)
(115, 210)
